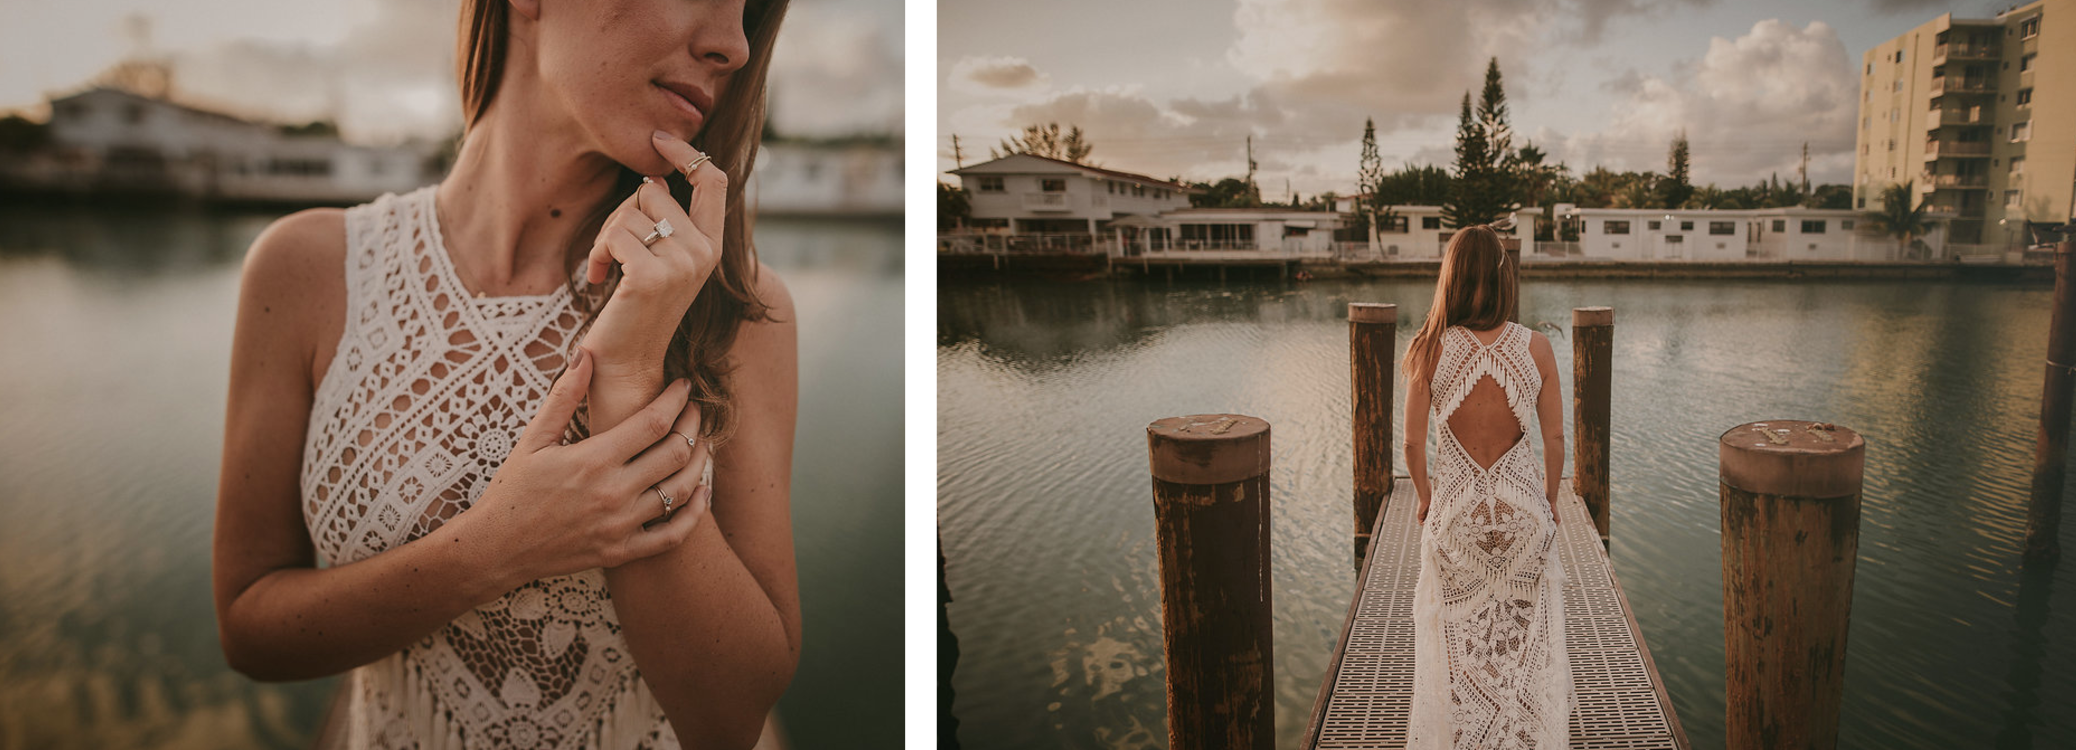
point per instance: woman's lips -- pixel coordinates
(691, 111)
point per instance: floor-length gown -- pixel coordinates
(1489, 668)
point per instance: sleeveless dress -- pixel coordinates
(428, 391)
(1489, 665)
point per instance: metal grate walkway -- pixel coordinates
(1368, 688)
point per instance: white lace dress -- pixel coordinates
(1489, 667)
(422, 402)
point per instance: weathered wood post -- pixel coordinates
(1592, 395)
(2044, 512)
(1791, 529)
(1211, 519)
(1372, 338)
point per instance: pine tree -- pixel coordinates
(1047, 141)
(1368, 172)
(1485, 159)
(1678, 186)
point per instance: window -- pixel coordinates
(1218, 232)
(2026, 63)
(1863, 203)
(2029, 28)
(1651, 225)
(1897, 87)
(2018, 166)
(1722, 227)
(1870, 69)
(1845, 225)
(2025, 97)
(2021, 131)
(1781, 225)
(1674, 239)
(2012, 198)
(990, 184)
(1812, 226)
(1899, 55)
(1430, 222)
(1053, 184)
(1395, 225)
(1615, 227)
(1686, 226)
(1110, 187)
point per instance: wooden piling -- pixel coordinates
(1372, 340)
(2044, 512)
(1791, 530)
(1211, 519)
(1592, 396)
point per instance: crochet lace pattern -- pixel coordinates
(427, 393)
(1489, 664)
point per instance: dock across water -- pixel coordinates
(1368, 691)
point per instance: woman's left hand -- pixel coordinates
(658, 281)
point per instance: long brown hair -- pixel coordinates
(730, 136)
(1479, 288)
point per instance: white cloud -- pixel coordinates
(1747, 106)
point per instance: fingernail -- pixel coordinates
(659, 135)
(582, 353)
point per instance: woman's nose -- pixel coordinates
(720, 39)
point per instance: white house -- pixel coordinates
(1026, 194)
(110, 138)
(1208, 232)
(801, 179)
(1718, 235)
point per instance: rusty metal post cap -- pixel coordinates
(1208, 448)
(1372, 312)
(1593, 316)
(1794, 458)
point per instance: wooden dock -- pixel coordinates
(1367, 693)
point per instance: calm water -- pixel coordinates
(114, 354)
(1045, 507)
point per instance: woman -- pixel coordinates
(497, 554)
(1489, 667)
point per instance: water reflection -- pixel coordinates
(1044, 392)
(113, 364)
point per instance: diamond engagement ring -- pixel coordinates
(667, 500)
(663, 229)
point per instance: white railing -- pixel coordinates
(1045, 201)
(954, 244)
(1558, 250)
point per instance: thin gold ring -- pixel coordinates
(689, 442)
(667, 501)
(694, 164)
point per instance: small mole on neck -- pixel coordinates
(555, 213)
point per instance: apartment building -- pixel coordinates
(1026, 194)
(1978, 116)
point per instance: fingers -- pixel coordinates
(661, 535)
(683, 482)
(636, 433)
(622, 220)
(560, 405)
(671, 456)
(709, 185)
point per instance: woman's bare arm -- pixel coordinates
(715, 624)
(1416, 438)
(1549, 410)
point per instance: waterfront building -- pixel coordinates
(1033, 195)
(106, 139)
(804, 179)
(1978, 115)
(1730, 235)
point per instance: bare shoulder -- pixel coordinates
(293, 290)
(1541, 351)
(771, 289)
(779, 328)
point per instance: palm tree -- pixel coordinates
(1898, 218)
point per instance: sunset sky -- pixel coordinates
(386, 66)
(1173, 87)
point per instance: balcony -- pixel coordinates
(1045, 202)
(1949, 118)
(1950, 85)
(1944, 52)
(1956, 150)
(1929, 182)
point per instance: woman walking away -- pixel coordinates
(1489, 667)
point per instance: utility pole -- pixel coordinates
(1804, 172)
(958, 156)
(1253, 193)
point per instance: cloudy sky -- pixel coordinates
(1173, 87)
(385, 67)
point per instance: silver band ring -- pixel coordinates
(692, 165)
(663, 229)
(667, 501)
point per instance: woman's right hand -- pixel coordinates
(555, 509)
